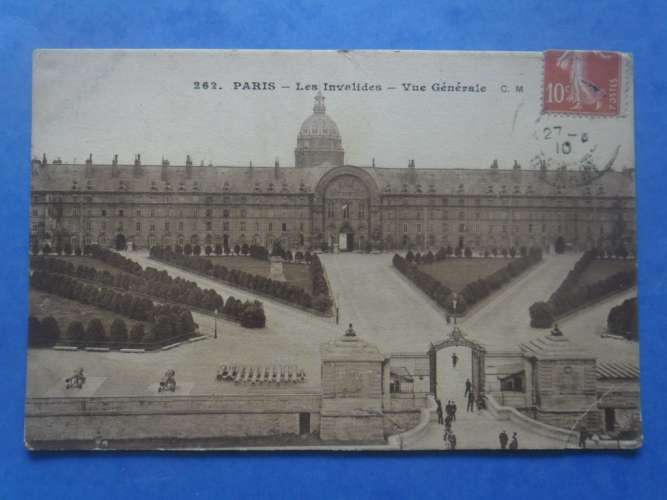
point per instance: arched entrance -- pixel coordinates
(448, 378)
(345, 197)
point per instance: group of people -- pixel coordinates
(504, 440)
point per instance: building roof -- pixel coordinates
(276, 179)
(617, 371)
(553, 347)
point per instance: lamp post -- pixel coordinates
(215, 324)
(454, 302)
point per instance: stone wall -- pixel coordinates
(571, 420)
(167, 417)
(361, 379)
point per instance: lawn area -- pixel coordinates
(246, 264)
(89, 261)
(64, 310)
(601, 269)
(295, 274)
(456, 273)
(299, 275)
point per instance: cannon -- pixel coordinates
(168, 382)
(76, 381)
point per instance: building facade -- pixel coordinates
(324, 202)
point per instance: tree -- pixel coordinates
(196, 250)
(410, 257)
(187, 249)
(237, 249)
(218, 249)
(468, 252)
(622, 320)
(46, 249)
(75, 332)
(559, 245)
(50, 331)
(95, 332)
(245, 249)
(541, 315)
(118, 331)
(67, 248)
(34, 331)
(137, 332)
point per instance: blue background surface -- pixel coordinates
(637, 27)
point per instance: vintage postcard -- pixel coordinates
(333, 250)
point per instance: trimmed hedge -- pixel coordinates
(320, 300)
(570, 295)
(623, 320)
(474, 291)
(149, 282)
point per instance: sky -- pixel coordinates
(145, 102)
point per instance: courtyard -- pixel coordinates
(384, 307)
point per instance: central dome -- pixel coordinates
(319, 124)
(319, 140)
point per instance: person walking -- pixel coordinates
(514, 444)
(468, 387)
(439, 411)
(471, 402)
(452, 441)
(455, 359)
(453, 411)
(448, 423)
(583, 436)
(503, 438)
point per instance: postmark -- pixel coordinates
(582, 82)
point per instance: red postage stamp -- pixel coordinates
(582, 82)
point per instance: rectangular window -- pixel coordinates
(462, 228)
(138, 213)
(301, 226)
(419, 228)
(208, 225)
(284, 226)
(104, 226)
(152, 212)
(121, 213)
(530, 228)
(243, 227)
(166, 226)
(180, 226)
(138, 227)
(104, 213)
(270, 227)
(35, 212)
(152, 227)
(225, 226)
(445, 227)
(405, 228)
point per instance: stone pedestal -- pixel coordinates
(351, 391)
(562, 383)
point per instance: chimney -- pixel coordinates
(44, 162)
(188, 167)
(276, 167)
(373, 162)
(163, 170)
(114, 166)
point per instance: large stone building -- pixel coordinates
(322, 200)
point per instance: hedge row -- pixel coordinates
(448, 252)
(162, 286)
(440, 293)
(47, 332)
(623, 320)
(474, 291)
(126, 304)
(570, 295)
(281, 290)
